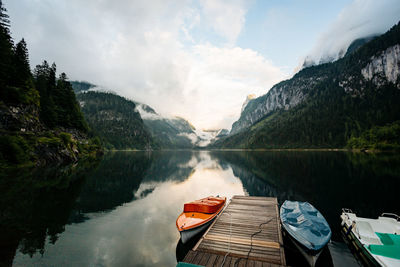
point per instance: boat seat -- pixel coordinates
(205, 205)
(366, 233)
(390, 247)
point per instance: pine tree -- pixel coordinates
(4, 18)
(70, 111)
(22, 69)
(6, 50)
(45, 77)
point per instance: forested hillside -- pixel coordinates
(40, 119)
(125, 124)
(115, 120)
(81, 86)
(332, 105)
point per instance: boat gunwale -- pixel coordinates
(369, 257)
(352, 240)
(212, 216)
(311, 252)
(295, 235)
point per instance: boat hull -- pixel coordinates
(375, 242)
(186, 235)
(357, 248)
(306, 228)
(198, 215)
(310, 256)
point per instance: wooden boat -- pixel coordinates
(307, 228)
(376, 242)
(198, 215)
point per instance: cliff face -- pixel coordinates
(24, 138)
(326, 105)
(381, 68)
(384, 67)
(21, 118)
(284, 95)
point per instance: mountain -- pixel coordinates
(353, 46)
(40, 119)
(209, 137)
(169, 133)
(177, 132)
(115, 120)
(125, 124)
(246, 102)
(330, 105)
(80, 86)
(358, 43)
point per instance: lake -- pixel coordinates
(121, 210)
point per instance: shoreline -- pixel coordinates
(262, 150)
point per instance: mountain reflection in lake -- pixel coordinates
(122, 212)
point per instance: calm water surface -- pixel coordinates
(121, 211)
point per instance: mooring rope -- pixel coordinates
(251, 242)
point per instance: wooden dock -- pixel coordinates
(246, 233)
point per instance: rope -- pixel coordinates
(251, 242)
(229, 244)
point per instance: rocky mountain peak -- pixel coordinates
(248, 98)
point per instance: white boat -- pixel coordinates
(376, 242)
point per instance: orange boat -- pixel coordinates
(198, 215)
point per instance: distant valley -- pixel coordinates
(126, 124)
(349, 103)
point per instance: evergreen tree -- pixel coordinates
(70, 114)
(4, 18)
(58, 105)
(22, 69)
(6, 49)
(45, 83)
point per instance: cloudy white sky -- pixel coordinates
(195, 59)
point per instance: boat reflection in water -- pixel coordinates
(122, 211)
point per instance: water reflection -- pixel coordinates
(122, 211)
(126, 211)
(35, 206)
(329, 180)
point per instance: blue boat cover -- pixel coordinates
(305, 224)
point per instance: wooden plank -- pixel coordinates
(264, 255)
(212, 260)
(261, 236)
(254, 198)
(203, 261)
(198, 257)
(216, 219)
(247, 224)
(241, 250)
(259, 243)
(233, 262)
(190, 256)
(225, 263)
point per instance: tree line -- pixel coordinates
(19, 86)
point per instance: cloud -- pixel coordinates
(148, 51)
(227, 18)
(361, 18)
(221, 78)
(147, 115)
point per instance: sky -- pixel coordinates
(194, 59)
